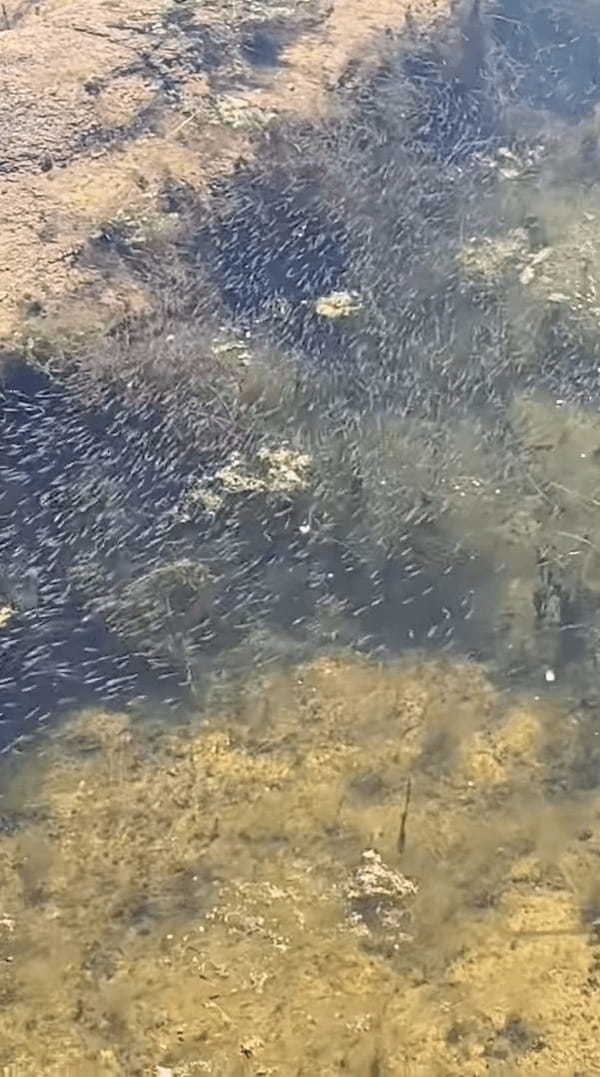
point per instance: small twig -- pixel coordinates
(183, 123)
(579, 538)
(6, 18)
(401, 842)
(96, 33)
(92, 33)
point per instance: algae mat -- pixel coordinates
(351, 869)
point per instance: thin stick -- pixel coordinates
(184, 123)
(402, 832)
(579, 538)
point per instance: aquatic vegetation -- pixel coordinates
(183, 896)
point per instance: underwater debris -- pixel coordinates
(375, 879)
(338, 305)
(379, 897)
(280, 470)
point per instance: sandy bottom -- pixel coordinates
(351, 870)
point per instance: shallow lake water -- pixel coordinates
(300, 605)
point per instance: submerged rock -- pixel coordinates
(379, 897)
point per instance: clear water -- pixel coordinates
(300, 606)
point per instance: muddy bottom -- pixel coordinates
(352, 869)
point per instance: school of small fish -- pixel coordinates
(147, 541)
